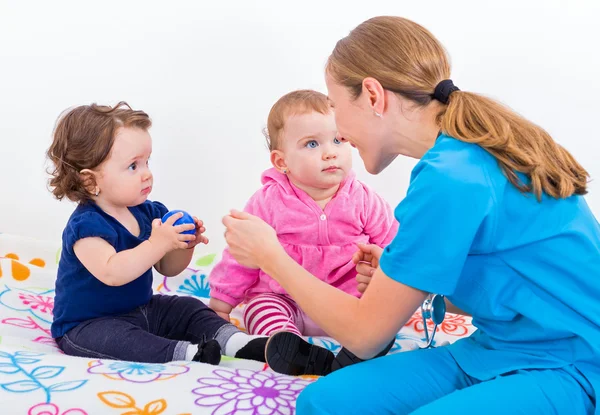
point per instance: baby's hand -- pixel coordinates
(200, 229)
(367, 261)
(168, 237)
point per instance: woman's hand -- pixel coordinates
(251, 240)
(367, 261)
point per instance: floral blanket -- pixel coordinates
(36, 378)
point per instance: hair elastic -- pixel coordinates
(443, 90)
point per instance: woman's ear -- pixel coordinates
(375, 93)
(278, 161)
(88, 179)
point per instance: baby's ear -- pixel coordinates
(88, 180)
(278, 161)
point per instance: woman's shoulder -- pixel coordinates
(452, 161)
(453, 153)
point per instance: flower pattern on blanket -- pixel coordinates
(40, 380)
(18, 270)
(248, 392)
(38, 304)
(44, 304)
(196, 285)
(29, 323)
(52, 409)
(453, 324)
(33, 377)
(137, 372)
(195, 282)
(126, 402)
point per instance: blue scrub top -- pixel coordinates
(527, 271)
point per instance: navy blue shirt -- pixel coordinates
(79, 295)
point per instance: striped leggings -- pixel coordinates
(268, 313)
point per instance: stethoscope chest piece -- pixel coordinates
(434, 308)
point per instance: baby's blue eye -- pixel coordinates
(312, 144)
(336, 141)
(132, 166)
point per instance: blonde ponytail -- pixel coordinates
(408, 60)
(517, 144)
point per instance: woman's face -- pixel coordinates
(358, 124)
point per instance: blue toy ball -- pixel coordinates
(185, 219)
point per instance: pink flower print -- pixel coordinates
(48, 341)
(26, 323)
(31, 324)
(43, 304)
(38, 304)
(52, 409)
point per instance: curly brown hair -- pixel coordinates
(82, 139)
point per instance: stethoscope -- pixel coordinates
(434, 308)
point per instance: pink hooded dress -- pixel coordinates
(322, 241)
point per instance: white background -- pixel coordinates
(208, 73)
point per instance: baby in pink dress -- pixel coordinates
(319, 210)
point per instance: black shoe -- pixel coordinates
(346, 358)
(254, 350)
(290, 354)
(208, 352)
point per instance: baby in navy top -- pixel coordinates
(104, 305)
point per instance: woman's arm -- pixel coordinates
(367, 261)
(364, 325)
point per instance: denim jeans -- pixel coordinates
(157, 332)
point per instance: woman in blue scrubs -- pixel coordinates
(494, 219)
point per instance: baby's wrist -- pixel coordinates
(156, 247)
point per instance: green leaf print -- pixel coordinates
(206, 260)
